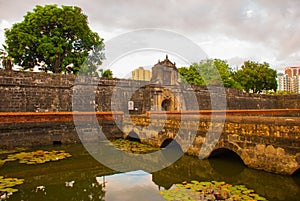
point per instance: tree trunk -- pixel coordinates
(57, 64)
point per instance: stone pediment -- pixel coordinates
(166, 63)
(164, 73)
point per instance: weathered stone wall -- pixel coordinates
(267, 143)
(30, 92)
(38, 92)
(33, 129)
(237, 99)
(107, 95)
(42, 92)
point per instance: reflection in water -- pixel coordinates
(136, 185)
(273, 187)
(90, 183)
(296, 177)
(226, 162)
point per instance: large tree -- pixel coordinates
(256, 77)
(57, 39)
(208, 72)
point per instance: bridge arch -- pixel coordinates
(171, 143)
(224, 152)
(133, 136)
(226, 162)
(296, 172)
(166, 142)
(223, 146)
(229, 162)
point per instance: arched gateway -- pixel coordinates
(166, 94)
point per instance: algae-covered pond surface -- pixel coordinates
(81, 177)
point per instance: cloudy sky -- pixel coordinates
(235, 30)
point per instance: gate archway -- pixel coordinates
(166, 105)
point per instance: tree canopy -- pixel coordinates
(107, 74)
(93, 61)
(209, 72)
(57, 39)
(256, 77)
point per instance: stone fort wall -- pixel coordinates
(42, 92)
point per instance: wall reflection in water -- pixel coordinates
(229, 168)
(87, 179)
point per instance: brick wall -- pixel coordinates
(42, 92)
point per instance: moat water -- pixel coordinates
(81, 177)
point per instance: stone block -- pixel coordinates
(270, 150)
(260, 149)
(280, 152)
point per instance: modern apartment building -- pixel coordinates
(282, 82)
(141, 74)
(290, 80)
(297, 84)
(292, 71)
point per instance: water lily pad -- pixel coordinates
(213, 191)
(5, 151)
(133, 147)
(2, 162)
(38, 157)
(6, 185)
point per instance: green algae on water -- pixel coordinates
(133, 146)
(38, 157)
(6, 186)
(213, 191)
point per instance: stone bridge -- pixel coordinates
(263, 139)
(267, 142)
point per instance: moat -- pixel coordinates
(81, 177)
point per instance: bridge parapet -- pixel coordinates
(44, 128)
(267, 143)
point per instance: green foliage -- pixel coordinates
(6, 185)
(256, 77)
(107, 74)
(213, 190)
(18, 149)
(133, 147)
(93, 61)
(55, 39)
(208, 72)
(226, 74)
(38, 157)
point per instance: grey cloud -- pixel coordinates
(272, 23)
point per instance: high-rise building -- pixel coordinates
(296, 84)
(283, 82)
(141, 74)
(290, 80)
(292, 71)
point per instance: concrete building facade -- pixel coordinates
(283, 82)
(141, 74)
(290, 80)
